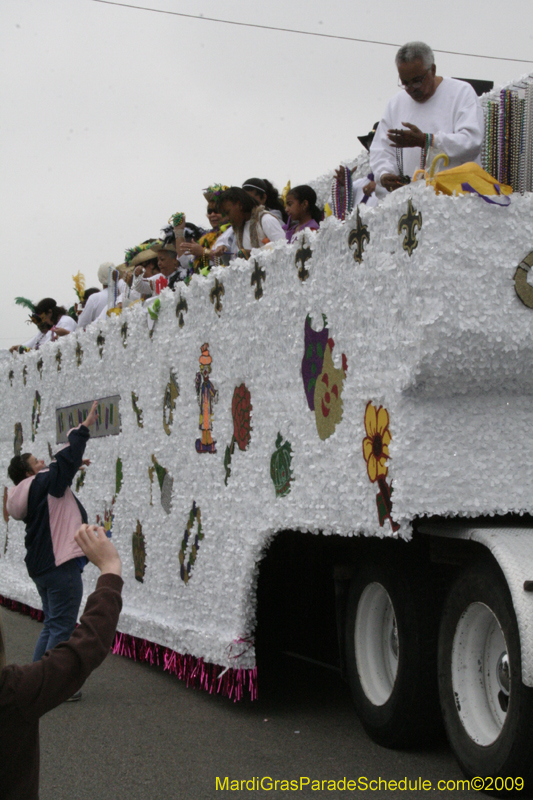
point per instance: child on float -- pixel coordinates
(302, 210)
(253, 225)
(267, 195)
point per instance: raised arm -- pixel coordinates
(69, 460)
(41, 686)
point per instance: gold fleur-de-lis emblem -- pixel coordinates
(358, 236)
(302, 256)
(215, 294)
(258, 276)
(409, 222)
(181, 308)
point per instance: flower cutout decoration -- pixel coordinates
(241, 411)
(376, 443)
(376, 452)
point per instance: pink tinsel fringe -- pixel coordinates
(14, 605)
(194, 671)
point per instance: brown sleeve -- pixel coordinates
(45, 684)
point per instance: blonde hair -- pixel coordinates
(2, 645)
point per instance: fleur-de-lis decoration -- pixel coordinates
(258, 276)
(40, 368)
(215, 294)
(19, 439)
(124, 334)
(58, 360)
(139, 552)
(302, 256)
(169, 403)
(79, 354)
(100, 341)
(409, 222)
(138, 411)
(358, 236)
(24, 374)
(181, 307)
(80, 480)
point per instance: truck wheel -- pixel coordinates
(487, 710)
(391, 656)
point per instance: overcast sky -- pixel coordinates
(113, 118)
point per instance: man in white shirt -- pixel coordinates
(97, 303)
(438, 115)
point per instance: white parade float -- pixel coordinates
(367, 387)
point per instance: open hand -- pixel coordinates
(99, 549)
(408, 136)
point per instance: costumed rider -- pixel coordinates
(98, 303)
(432, 115)
(174, 267)
(42, 498)
(141, 265)
(38, 338)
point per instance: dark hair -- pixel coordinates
(237, 195)
(273, 201)
(305, 192)
(18, 468)
(49, 304)
(88, 293)
(257, 184)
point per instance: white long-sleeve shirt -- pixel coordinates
(452, 114)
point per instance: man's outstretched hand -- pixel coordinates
(99, 549)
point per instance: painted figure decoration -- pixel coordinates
(323, 382)
(207, 396)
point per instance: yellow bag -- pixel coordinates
(468, 178)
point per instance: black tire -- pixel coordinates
(396, 710)
(491, 738)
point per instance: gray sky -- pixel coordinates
(112, 118)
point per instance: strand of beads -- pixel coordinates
(428, 144)
(342, 195)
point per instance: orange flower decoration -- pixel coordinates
(377, 440)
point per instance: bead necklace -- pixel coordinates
(342, 196)
(424, 151)
(399, 163)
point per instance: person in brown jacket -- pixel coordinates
(28, 692)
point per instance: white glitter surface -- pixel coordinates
(439, 338)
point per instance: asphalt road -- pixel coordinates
(140, 734)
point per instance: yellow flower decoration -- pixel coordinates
(377, 440)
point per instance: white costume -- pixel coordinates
(452, 114)
(97, 304)
(93, 308)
